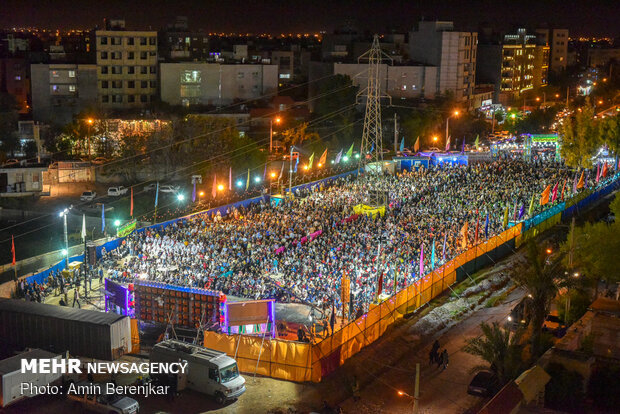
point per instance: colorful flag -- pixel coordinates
(194, 193)
(350, 151)
(563, 188)
(506, 217)
(486, 227)
(296, 163)
(83, 234)
(477, 142)
(544, 197)
(604, 173)
(323, 158)
(422, 261)
(372, 148)
(230, 178)
(156, 194)
(103, 218)
(464, 235)
(443, 259)
(433, 256)
(13, 250)
(247, 182)
(477, 228)
(265, 172)
(448, 144)
(131, 204)
(598, 171)
(380, 284)
(575, 183)
(337, 161)
(214, 188)
(521, 211)
(311, 161)
(416, 146)
(530, 211)
(554, 193)
(402, 144)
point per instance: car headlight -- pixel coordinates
(228, 391)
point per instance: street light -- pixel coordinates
(239, 183)
(277, 120)
(220, 187)
(272, 175)
(117, 223)
(257, 179)
(89, 121)
(456, 113)
(180, 197)
(435, 138)
(202, 193)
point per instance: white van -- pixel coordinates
(209, 372)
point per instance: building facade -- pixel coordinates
(453, 52)
(15, 81)
(60, 91)
(215, 84)
(126, 68)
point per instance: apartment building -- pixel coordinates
(557, 39)
(126, 68)
(453, 52)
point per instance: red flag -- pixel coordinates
(555, 192)
(563, 187)
(380, 287)
(598, 172)
(13, 250)
(605, 170)
(131, 204)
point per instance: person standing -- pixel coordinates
(444, 359)
(76, 298)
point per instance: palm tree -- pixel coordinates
(540, 278)
(500, 348)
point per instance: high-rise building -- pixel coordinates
(557, 39)
(453, 52)
(126, 68)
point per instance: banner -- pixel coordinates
(126, 228)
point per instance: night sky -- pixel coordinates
(580, 17)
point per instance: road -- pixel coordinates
(440, 391)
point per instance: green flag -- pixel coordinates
(350, 151)
(530, 211)
(477, 142)
(506, 217)
(247, 182)
(310, 161)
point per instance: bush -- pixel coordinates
(565, 389)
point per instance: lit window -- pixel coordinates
(71, 88)
(55, 88)
(72, 74)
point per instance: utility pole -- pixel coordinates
(416, 390)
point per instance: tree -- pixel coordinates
(297, 135)
(609, 133)
(580, 138)
(539, 277)
(500, 349)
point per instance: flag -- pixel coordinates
(554, 193)
(230, 178)
(13, 250)
(350, 151)
(156, 194)
(563, 188)
(296, 163)
(402, 144)
(416, 146)
(422, 260)
(448, 144)
(311, 161)
(477, 227)
(281, 172)
(103, 217)
(380, 284)
(247, 182)
(433, 256)
(194, 193)
(477, 142)
(604, 173)
(463, 146)
(214, 188)
(530, 211)
(131, 204)
(598, 172)
(506, 217)
(83, 227)
(464, 235)
(372, 147)
(585, 180)
(445, 236)
(338, 156)
(575, 183)
(521, 211)
(265, 172)
(486, 227)
(544, 196)
(323, 158)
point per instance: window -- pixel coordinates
(18, 78)
(116, 40)
(130, 55)
(131, 84)
(104, 84)
(55, 74)
(55, 88)
(117, 55)
(105, 98)
(190, 76)
(131, 70)
(72, 74)
(143, 41)
(130, 41)
(285, 75)
(152, 41)
(143, 70)
(103, 41)
(104, 55)
(117, 70)
(104, 70)
(143, 55)
(131, 98)
(190, 91)
(152, 53)
(117, 84)
(143, 98)
(153, 69)
(117, 98)
(153, 84)
(71, 88)
(144, 84)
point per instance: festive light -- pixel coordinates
(180, 197)
(240, 183)
(257, 179)
(117, 223)
(273, 175)
(345, 158)
(201, 193)
(220, 187)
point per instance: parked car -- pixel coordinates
(150, 187)
(169, 188)
(117, 191)
(554, 325)
(101, 402)
(484, 384)
(99, 160)
(88, 196)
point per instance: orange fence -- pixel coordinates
(299, 361)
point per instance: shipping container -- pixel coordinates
(12, 377)
(84, 333)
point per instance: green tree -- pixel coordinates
(609, 133)
(540, 279)
(500, 349)
(335, 107)
(580, 138)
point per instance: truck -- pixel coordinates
(208, 371)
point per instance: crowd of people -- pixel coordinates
(299, 249)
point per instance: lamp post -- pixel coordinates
(89, 122)
(456, 113)
(277, 120)
(63, 214)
